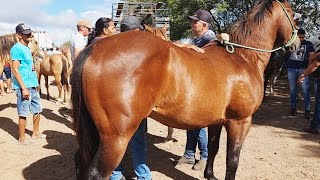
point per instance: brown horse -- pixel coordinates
(56, 65)
(161, 32)
(124, 78)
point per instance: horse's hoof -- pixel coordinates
(168, 140)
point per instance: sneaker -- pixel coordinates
(307, 115)
(293, 112)
(185, 160)
(200, 165)
(311, 130)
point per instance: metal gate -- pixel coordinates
(155, 14)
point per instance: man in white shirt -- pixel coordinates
(79, 39)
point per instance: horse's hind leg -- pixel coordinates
(237, 131)
(169, 135)
(57, 78)
(47, 86)
(108, 157)
(213, 147)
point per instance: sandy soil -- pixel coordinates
(275, 148)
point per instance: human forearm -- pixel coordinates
(18, 77)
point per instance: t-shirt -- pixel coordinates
(78, 41)
(204, 39)
(22, 53)
(299, 59)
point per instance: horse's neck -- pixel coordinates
(261, 39)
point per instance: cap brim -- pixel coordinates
(28, 31)
(193, 18)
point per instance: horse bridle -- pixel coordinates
(230, 45)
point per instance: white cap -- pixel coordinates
(297, 16)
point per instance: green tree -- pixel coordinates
(226, 13)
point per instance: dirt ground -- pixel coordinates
(275, 148)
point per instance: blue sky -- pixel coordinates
(57, 17)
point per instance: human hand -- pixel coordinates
(25, 94)
(301, 78)
(195, 48)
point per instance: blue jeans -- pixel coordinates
(315, 123)
(293, 75)
(194, 137)
(138, 148)
(32, 105)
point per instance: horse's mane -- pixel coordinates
(6, 43)
(243, 30)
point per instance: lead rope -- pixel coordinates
(230, 45)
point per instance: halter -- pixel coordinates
(230, 45)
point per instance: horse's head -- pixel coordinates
(287, 31)
(35, 49)
(160, 32)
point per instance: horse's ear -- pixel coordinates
(165, 27)
(148, 28)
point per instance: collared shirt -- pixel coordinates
(78, 41)
(204, 39)
(22, 53)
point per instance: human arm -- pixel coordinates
(311, 68)
(17, 75)
(189, 46)
(312, 56)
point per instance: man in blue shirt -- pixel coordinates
(25, 83)
(203, 35)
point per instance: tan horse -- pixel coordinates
(127, 77)
(56, 65)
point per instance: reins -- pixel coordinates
(230, 46)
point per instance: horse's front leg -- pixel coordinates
(237, 131)
(213, 147)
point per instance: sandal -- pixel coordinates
(10, 91)
(40, 136)
(25, 142)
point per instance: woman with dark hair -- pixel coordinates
(104, 27)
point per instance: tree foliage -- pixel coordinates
(226, 13)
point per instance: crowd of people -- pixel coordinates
(301, 63)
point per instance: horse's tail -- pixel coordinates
(84, 127)
(64, 73)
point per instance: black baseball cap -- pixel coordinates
(202, 15)
(23, 29)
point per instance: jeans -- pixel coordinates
(315, 123)
(194, 137)
(138, 148)
(32, 105)
(293, 75)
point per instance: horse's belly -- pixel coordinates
(182, 120)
